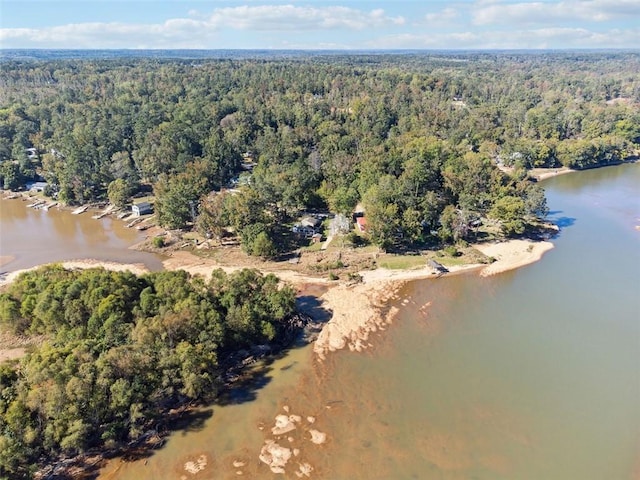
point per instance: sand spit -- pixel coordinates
(512, 254)
(357, 309)
(181, 260)
(136, 268)
(544, 173)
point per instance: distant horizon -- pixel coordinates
(315, 25)
(469, 49)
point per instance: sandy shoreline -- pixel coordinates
(357, 310)
(512, 254)
(136, 268)
(544, 173)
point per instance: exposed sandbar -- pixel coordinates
(136, 268)
(356, 310)
(512, 254)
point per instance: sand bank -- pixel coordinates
(357, 309)
(512, 254)
(181, 260)
(136, 268)
(544, 173)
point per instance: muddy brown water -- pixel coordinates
(33, 237)
(529, 374)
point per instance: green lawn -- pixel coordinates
(401, 262)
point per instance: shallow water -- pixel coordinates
(530, 374)
(228, 433)
(33, 237)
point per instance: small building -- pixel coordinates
(142, 208)
(306, 232)
(310, 222)
(37, 186)
(438, 268)
(316, 238)
(361, 222)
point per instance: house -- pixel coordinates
(141, 208)
(37, 186)
(306, 232)
(310, 222)
(361, 222)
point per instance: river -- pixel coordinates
(32, 237)
(530, 374)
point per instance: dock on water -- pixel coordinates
(80, 210)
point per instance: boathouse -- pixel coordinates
(141, 208)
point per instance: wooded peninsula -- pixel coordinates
(428, 147)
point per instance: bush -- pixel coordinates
(263, 246)
(354, 239)
(452, 251)
(355, 278)
(333, 276)
(158, 242)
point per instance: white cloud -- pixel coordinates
(199, 31)
(174, 33)
(444, 16)
(554, 12)
(293, 18)
(523, 24)
(542, 38)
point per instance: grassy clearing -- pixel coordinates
(313, 247)
(453, 261)
(401, 262)
(466, 256)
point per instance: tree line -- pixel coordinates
(418, 139)
(120, 351)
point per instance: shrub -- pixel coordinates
(355, 278)
(452, 251)
(158, 242)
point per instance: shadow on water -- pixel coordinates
(246, 386)
(564, 222)
(560, 221)
(88, 467)
(242, 385)
(312, 306)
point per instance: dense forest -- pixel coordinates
(427, 143)
(119, 351)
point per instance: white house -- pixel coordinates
(141, 208)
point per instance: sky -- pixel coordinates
(320, 24)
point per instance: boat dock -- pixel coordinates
(80, 210)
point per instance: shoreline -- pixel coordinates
(135, 268)
(357, 309)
